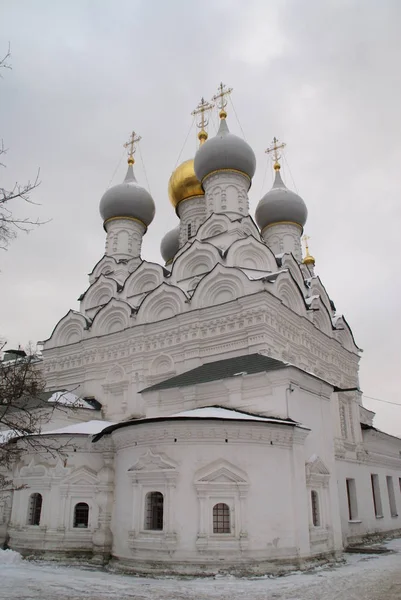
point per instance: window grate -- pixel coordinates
(154, 511)
(221, 518)
(315, 509)
(81, 515)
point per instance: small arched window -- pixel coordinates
(221, 518)
(189, 229)
(35, 509)
(315, 509)
(154, 511)
(81, 515)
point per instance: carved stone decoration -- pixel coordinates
(217, 482)
(152, 462)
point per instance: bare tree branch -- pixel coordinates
(10, 224)
(25, 408)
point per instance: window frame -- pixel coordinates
(391, 496)
(376, 495)
(352, 500)
(315, 508)
(74, 521)
(224, 516)
(151, 512)
(33, 509)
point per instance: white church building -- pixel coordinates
(221, 425)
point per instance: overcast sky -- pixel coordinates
(322, 75)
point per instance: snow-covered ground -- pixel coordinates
(362, 577)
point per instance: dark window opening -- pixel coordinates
(35, 509)
(154, 511)
(81, 515)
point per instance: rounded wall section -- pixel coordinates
(180, 464)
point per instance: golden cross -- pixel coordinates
(130, 146)
(306, 238)
(221, 100)
(201, 109)
(274, 148)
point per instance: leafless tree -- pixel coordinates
(24, 409)
(10, 222)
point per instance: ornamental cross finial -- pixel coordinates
(273, 149)
(202, 108)
(221, 100)
(305, 239)
(309, 259)
(130, 146)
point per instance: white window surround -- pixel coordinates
(153, 473)
(317, 480)
(221, 482)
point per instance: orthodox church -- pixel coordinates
(220, 423)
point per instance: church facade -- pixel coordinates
(232, 433)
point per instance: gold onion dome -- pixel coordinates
(309, 260)
(184, 184)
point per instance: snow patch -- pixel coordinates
(10, 557)
(69, 399)
(88, 428)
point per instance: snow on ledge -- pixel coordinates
(69, 399)
(213, 412)
(87, 428)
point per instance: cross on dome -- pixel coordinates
(130, 146)
(202, 108)
(221, 100)
(309, 259)
(274, 148)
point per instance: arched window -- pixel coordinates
(221, 518)
(154, 511)
(35, 509)
(81, 515)
(315, 509)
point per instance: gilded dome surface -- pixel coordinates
(280, 204)
(170, 244)
(224, 151)
(183, 183)
(128, 199)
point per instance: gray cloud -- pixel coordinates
(323, 76)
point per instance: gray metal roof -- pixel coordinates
(221, 369)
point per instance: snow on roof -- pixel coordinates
(214, 412)
(311, 299)
(87, 428)
(254, 274)
(69, 399)
(8, 434)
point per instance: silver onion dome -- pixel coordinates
(170, 244)
(280, 205)
(128, 199)
(224, 151)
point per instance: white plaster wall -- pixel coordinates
(367, 522)
(227, 192)
(274, 514)
(257, 323)
(191, 212)
(62, 484)
(124, 238)
(284, 237)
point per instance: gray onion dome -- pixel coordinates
(170, 244)
(224, 151)
(128, 199)
(280, 204)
